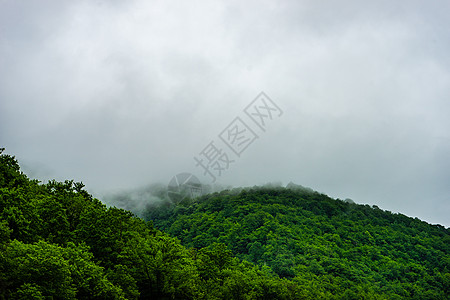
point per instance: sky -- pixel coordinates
(123, 94)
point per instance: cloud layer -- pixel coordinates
(123, 94)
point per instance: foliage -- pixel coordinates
(58, 242)
(328, 248)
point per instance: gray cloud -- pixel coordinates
(120, 95)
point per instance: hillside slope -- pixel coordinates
(58, 242)
(325, 245)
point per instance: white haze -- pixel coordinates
(122, 94)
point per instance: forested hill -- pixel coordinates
(331, 246)
(59, 242)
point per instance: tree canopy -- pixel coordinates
(59, 242)
(328, 247)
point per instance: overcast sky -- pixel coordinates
(120, 94)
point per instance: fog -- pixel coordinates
(124, 95)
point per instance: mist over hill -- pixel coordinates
(139, 200)
(266, 242)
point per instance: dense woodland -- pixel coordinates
(329, 248)
(58, 242)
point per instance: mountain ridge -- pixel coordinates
(58, 241)
(301, 234)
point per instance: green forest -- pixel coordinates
(59, 242)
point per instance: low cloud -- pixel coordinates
(122, 95)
